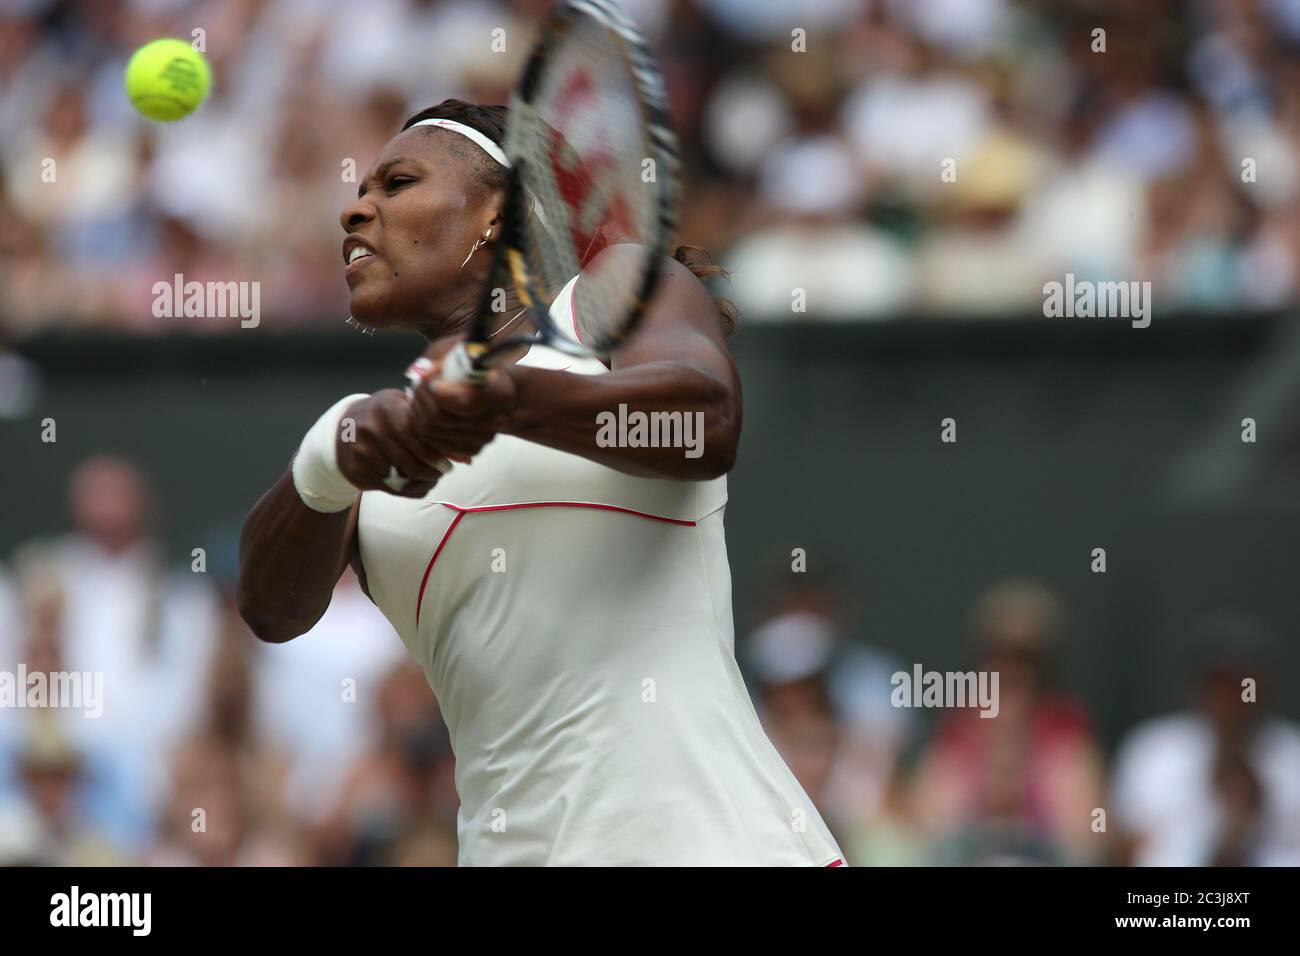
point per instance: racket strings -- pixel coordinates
(589, 167)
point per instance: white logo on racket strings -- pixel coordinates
(638, 429)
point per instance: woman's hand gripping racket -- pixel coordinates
(590, 204)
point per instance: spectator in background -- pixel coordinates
(76, 180)
(912, 109)
(1019, 787)
(70, 802)
(52, 779)
(824, 701)
(226, 803)
(816, 258)
(30, 276)
(68, 193)
(1218, 784)
(1080, 214)
(980, 259)
(317, 695)
(110, 606)
(398, 805)
(301, 713)
(213, 818)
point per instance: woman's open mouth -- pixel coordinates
(356, 254)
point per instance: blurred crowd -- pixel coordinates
(1215, 784)
(887, 157)
(207, 748)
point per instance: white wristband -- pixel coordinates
(316, 473)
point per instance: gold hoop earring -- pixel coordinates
(477, 243)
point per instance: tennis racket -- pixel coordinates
(591, 201)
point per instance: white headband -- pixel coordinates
(489, 147)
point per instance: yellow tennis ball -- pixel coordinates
(167, 79)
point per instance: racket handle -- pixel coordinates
(414, 379)
(458, 367)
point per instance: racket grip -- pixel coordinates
(458, 367)
(415, 377)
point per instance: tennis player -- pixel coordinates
(570, 603)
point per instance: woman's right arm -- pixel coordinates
(291, 554)
(290, 558)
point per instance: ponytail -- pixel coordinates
(702, 266)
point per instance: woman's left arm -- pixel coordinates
(675, 361)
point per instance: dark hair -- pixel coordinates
(700, 262)
(491, 122)
(488, 120)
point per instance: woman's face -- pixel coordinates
(419, 210)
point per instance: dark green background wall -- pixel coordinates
(1070, 436)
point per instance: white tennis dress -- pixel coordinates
(575, 625)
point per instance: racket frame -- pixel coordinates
(511, 259)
